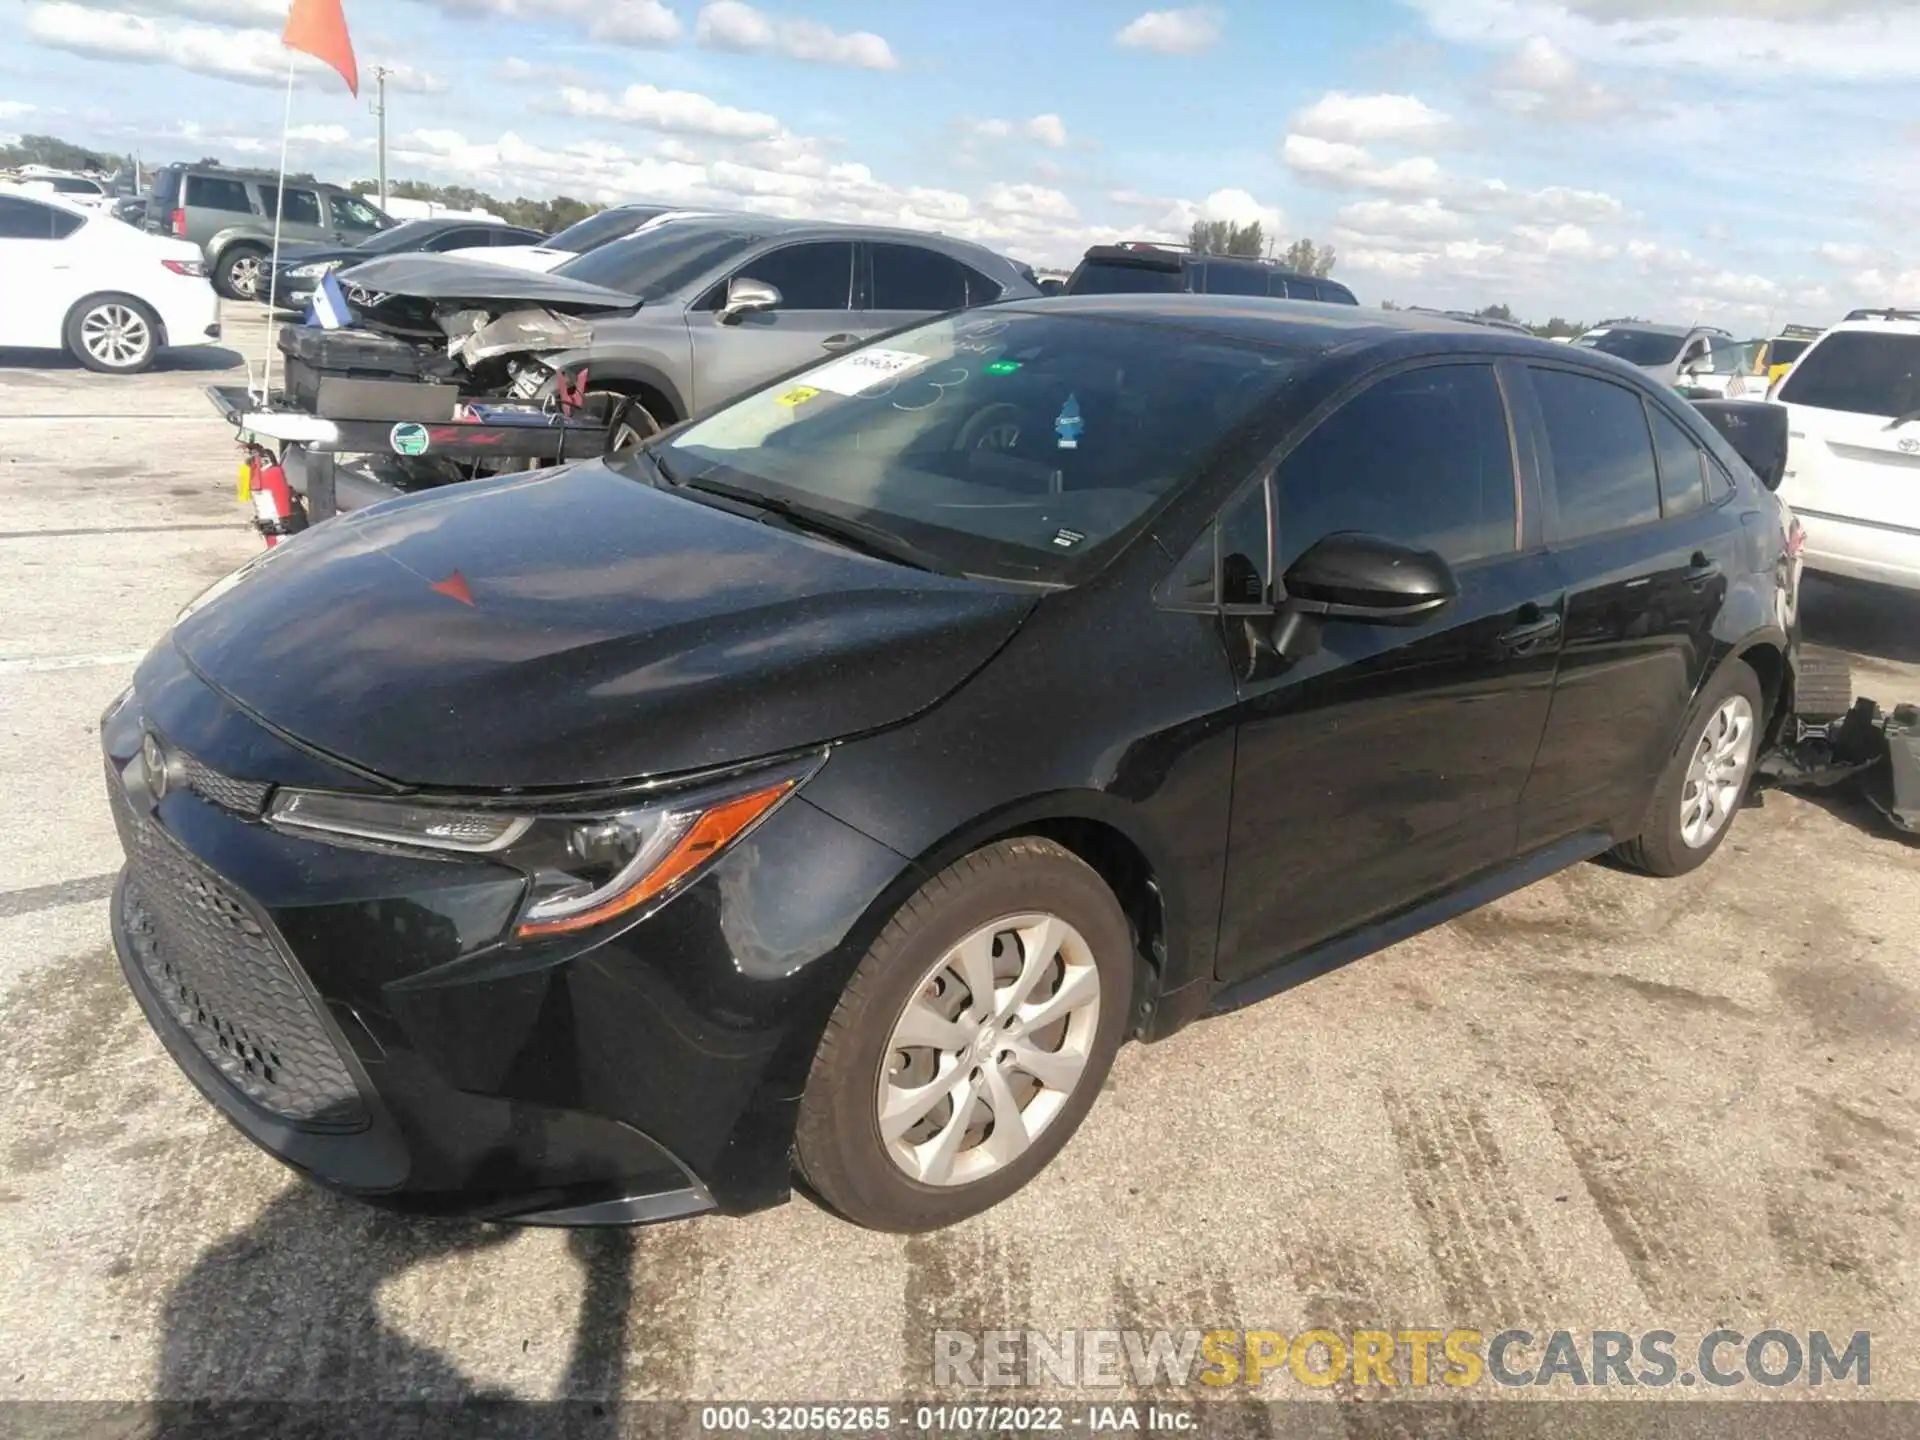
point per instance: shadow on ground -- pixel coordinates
(1874, 620)
(191, 358)
(279, 1330)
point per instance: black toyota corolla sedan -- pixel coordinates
(823, 793)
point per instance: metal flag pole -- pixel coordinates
(273, 261)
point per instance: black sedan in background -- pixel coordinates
(301, 266)
(837, 781)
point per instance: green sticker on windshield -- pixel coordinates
(1000, 367)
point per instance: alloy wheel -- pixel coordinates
(244, 276)
(989, 1049)
(1717, 773)
(117, 336)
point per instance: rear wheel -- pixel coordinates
(971, 1041)
(629, 422)
(115, 334)
(1705, 780)
(240, 271)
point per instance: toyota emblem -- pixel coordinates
(153, 756)
(1910, 447)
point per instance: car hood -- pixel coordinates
(478, 282)
(579, 626)
(515, 257)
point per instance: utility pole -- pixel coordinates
(380, 73)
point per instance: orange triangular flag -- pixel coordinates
(319, 27)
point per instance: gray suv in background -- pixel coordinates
(229, 215)
(692, 313)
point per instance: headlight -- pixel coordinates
(584, 868)
(315, 270)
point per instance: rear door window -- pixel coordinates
(1224, 278)
(217, 192)
(1682, 466)
(910, 277)
(1109, 277)
(1604, 475)
(1860, 372)
(1423, 457)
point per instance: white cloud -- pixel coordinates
(1423, 219)
(1353, 167)
(1563, 242)
(1542, 81)
(1835, 253)
(1048, 130)
(1172, 32)
(680, 111)
(731, 25)
(624, 22)
(1559, 202)
(988, 129)
(1746, 39)
(1362, 118)
(14, 109)
(256, 14)
(325, 135)
(1030, 200)
(247, 55)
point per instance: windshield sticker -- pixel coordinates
(865, 371)
(1068, 424)
(798, 395)
(1067, 539)
(1000, 367)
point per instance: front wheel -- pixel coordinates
(115, 334)
(971, 1041)
(1706, 778)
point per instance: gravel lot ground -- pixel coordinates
(1604, 1102)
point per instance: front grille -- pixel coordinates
(243, 797)
(225, 980)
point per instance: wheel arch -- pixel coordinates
(94, 297)
(649, 384)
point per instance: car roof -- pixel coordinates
(1294, 323)
(1872, 327)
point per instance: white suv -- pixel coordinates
(1853, 449)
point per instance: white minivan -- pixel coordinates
(1853, 449)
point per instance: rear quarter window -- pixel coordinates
(1859, 372)
(217, 192)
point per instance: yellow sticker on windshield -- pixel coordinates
(799, 395)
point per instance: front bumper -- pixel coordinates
(359, 1015)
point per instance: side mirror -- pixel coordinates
(1697, 367)
(1376, 581)
(745, 296)
(1756, 430)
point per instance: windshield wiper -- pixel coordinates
(854, 534)
(1906, 419)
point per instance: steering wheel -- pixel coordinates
(992, 427)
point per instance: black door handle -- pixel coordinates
(1700, 569)
(1531, 634)
(839, 342)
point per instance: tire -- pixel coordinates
(233, 276)
(629, 422)
(1822, 686)
(1024, 890)
(1682, 830)
(114, 334)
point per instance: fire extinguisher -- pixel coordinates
(263, 480)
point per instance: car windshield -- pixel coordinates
(596, 230)
(1860, 372)
(1785, 352)
(407, 235)
(1110, 277)
(659, 263)
(1636, 347)
(1018, 446)
(1736, 359)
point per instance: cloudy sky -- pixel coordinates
(1745, 161)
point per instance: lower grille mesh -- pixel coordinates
(226, 984)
